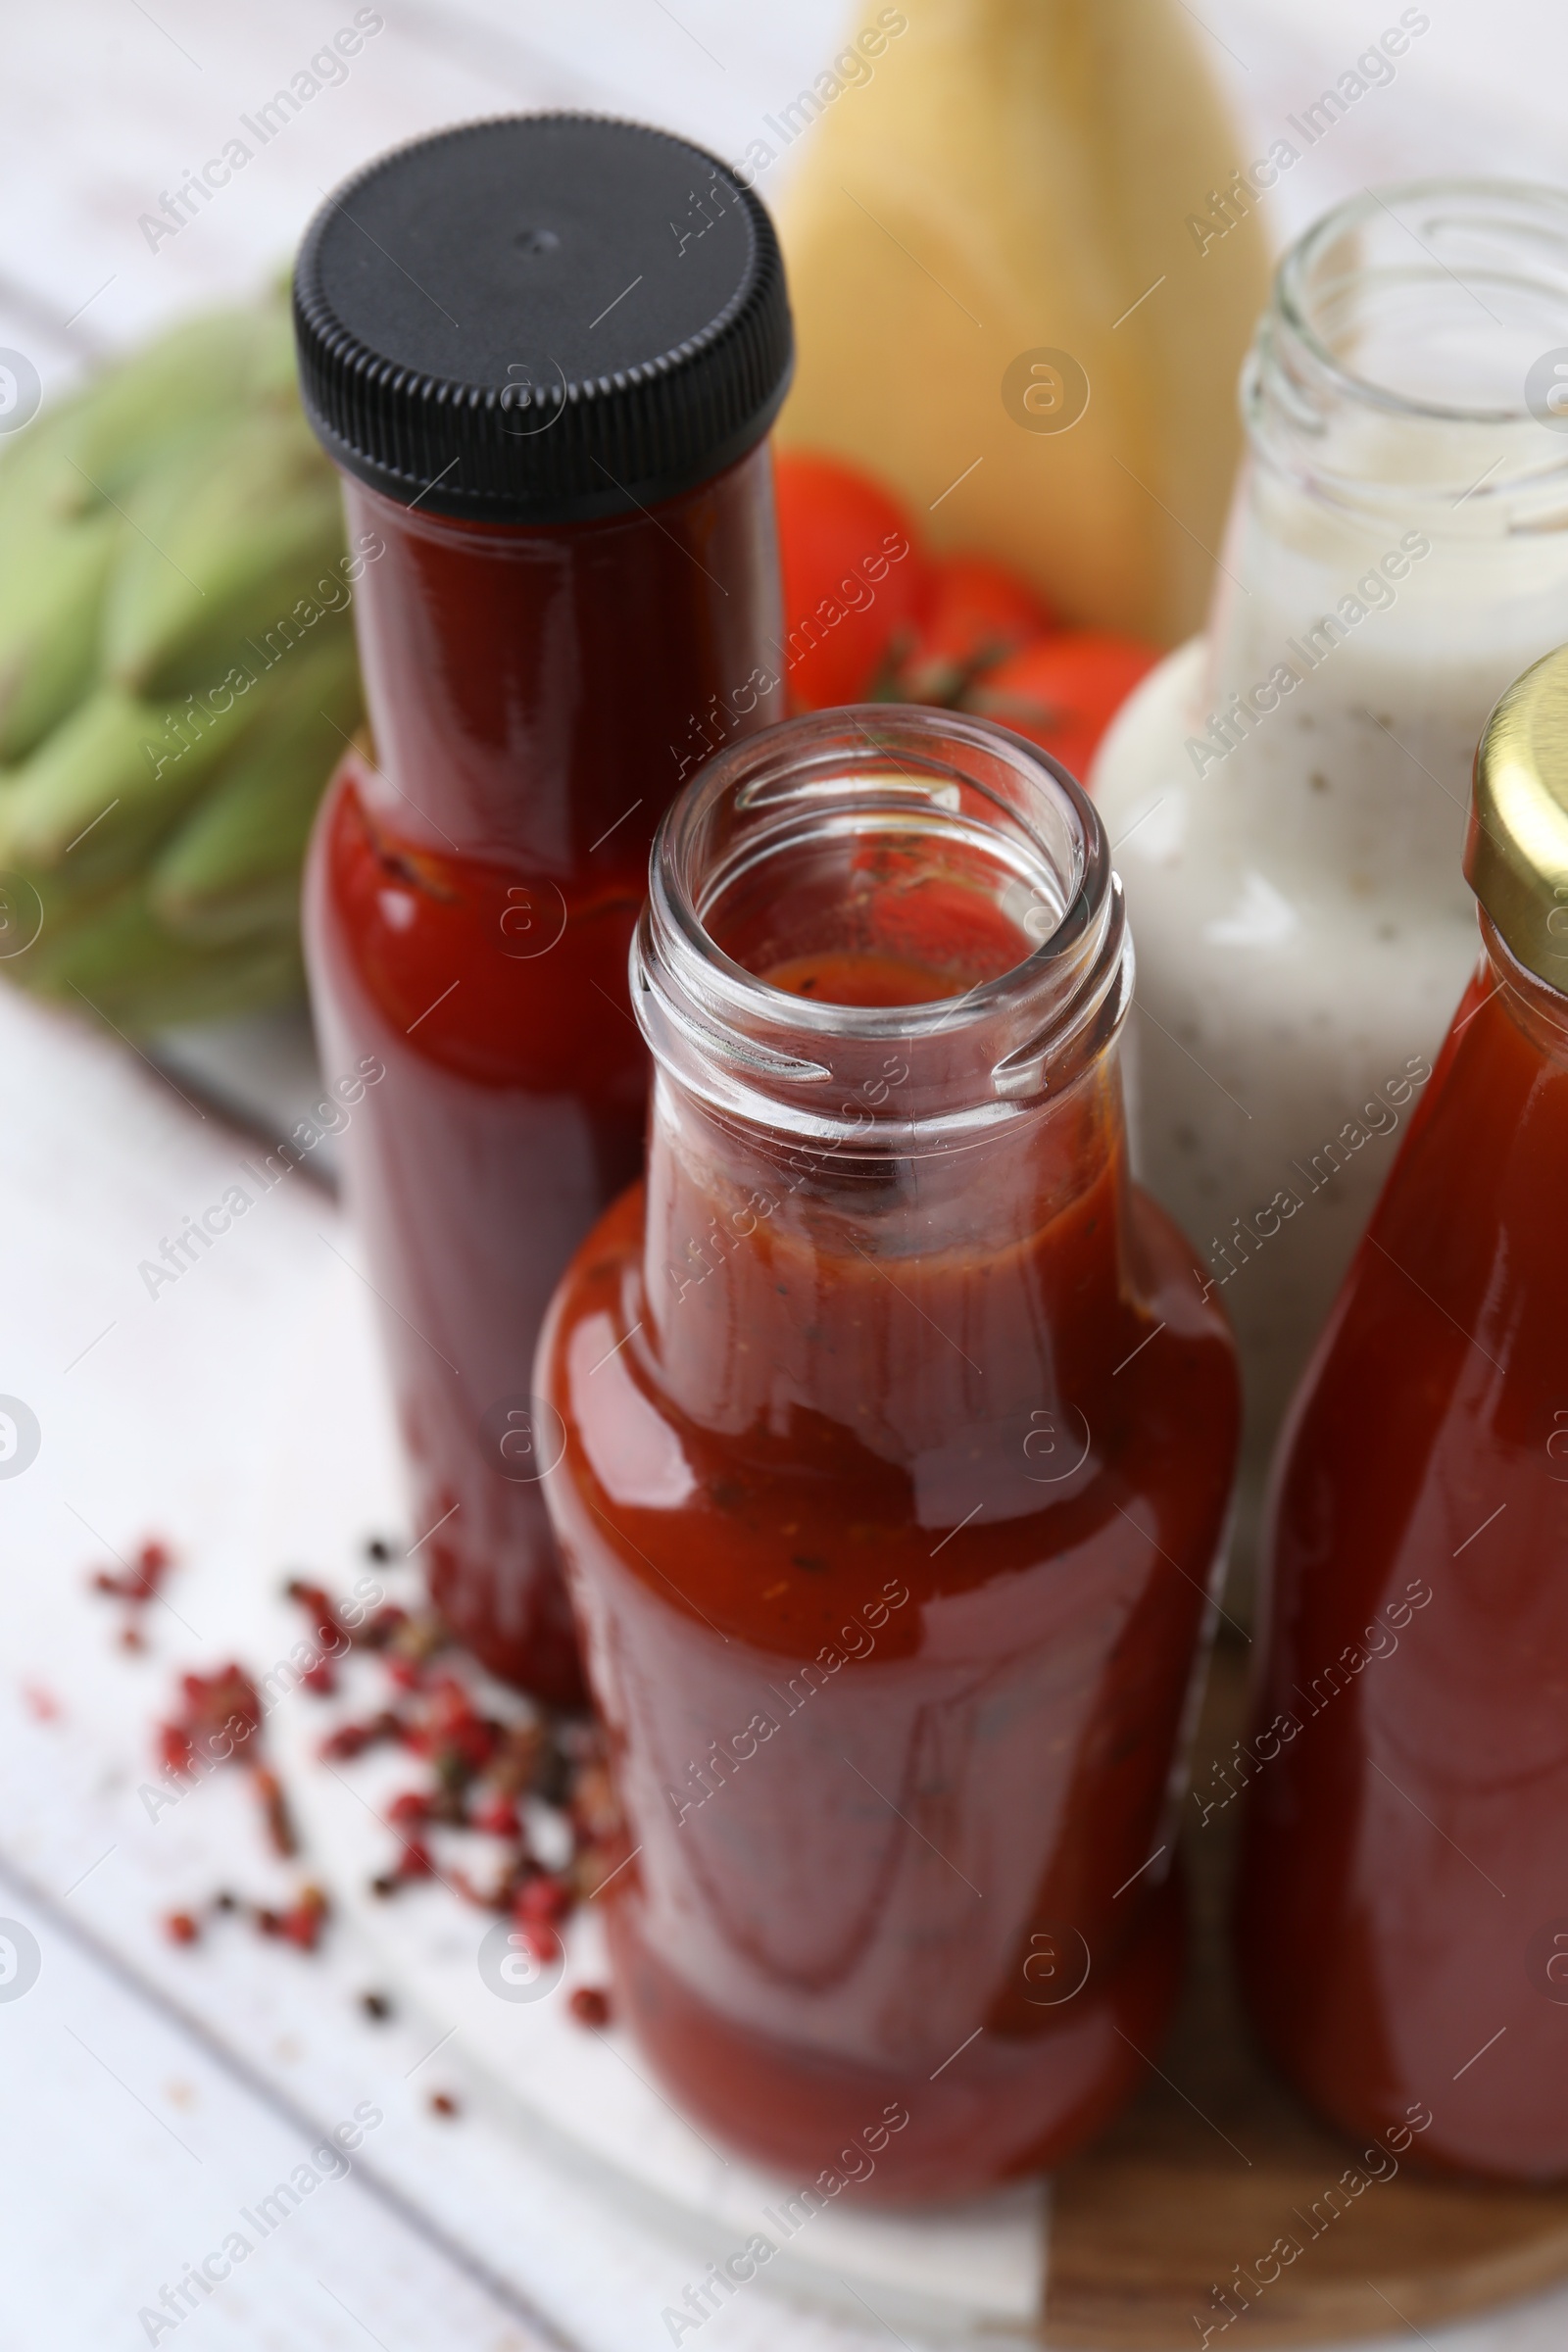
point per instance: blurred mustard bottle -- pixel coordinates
(1001, 308)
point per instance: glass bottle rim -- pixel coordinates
(1295, 301)
(767, 1055)
(1411, 357)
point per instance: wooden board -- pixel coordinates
(1217, 2160)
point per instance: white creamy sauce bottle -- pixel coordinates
(1287, 797)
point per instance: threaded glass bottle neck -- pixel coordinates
(955, 884)
(882, 970)
(1405, 362)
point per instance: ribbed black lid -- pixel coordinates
(541, 319)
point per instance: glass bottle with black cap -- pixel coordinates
(544, 352)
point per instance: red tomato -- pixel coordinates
(1062, 692)
(854, 579)
(975, 614)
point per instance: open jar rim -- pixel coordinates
(1406, 361)
(968, 798)
(1526, 210)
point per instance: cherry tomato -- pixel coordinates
(976, 613)
(1062, 692)
(854, 579)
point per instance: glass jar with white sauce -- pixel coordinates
(1286, 797)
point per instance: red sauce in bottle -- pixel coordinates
(470, 904)
(891, 1487)
(1403, 1909)
(544, 352)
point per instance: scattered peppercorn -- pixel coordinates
(383, 1626)
(275, 1812)
(303, 1923)
(545, 1897)
(140, 1581)
(220, 1713)
(376, 2005)
(137, 1585)
(443, 2103)
(482, 1770)
(497, 1816)
(353, 1739)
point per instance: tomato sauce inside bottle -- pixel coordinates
(1403, 1914)
(896, 1439)
(544, 352)
(489, 980)
(513, 1108)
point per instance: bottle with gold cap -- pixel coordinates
(1403, 1920)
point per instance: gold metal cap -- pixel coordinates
(1516, 852)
